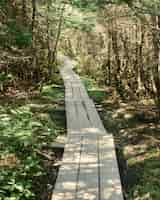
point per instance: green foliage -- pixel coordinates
(17, 138)
(85, 5)
(89, 83)
(19, 35)
(15, 187)
(87, 24)
(4, 80)
(3, 3)
(97, 94)
(4, 77)
(94, 5)
(23, 39)
(149, 184)
(13, 34)
(25, 128)
(52, 92)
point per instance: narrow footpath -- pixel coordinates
(89, 169)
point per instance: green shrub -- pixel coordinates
(3, 3)
(4, 80)
(16, 35)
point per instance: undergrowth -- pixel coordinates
(137, 140)
(27, 131)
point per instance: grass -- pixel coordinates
(137, 141)
(28, 129)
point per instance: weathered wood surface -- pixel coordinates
(89, 169)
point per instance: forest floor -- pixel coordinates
(29, 124)
(137, 140)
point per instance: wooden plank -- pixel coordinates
(71, 116)
(94, 118)
(76, 93)
(83, 120)
(109, 173)
(88, 186)
(76, 118)
(83, 92)
(66, 184)
(69, 94)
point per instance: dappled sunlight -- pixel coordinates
(92, 131)
(68, 185)
(89, 71)
(89, 169)
(87, 195)
(63, 195)
(136, 133)
(27, 154)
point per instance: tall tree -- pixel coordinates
(59, 28)
(33, 33)
(33, 16)
(24, 11)
(156, 64)
(50, 58)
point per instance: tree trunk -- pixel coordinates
(156, 67)
(117, 57)
(50, 59)
(109, 58)
(33, 34)
(141, 79)
(58, 32)
(33, 16)
(24, 11)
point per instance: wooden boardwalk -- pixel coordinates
(89, 168)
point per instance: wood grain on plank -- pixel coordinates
(109, 174)
(88, 187)
(65, 188)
